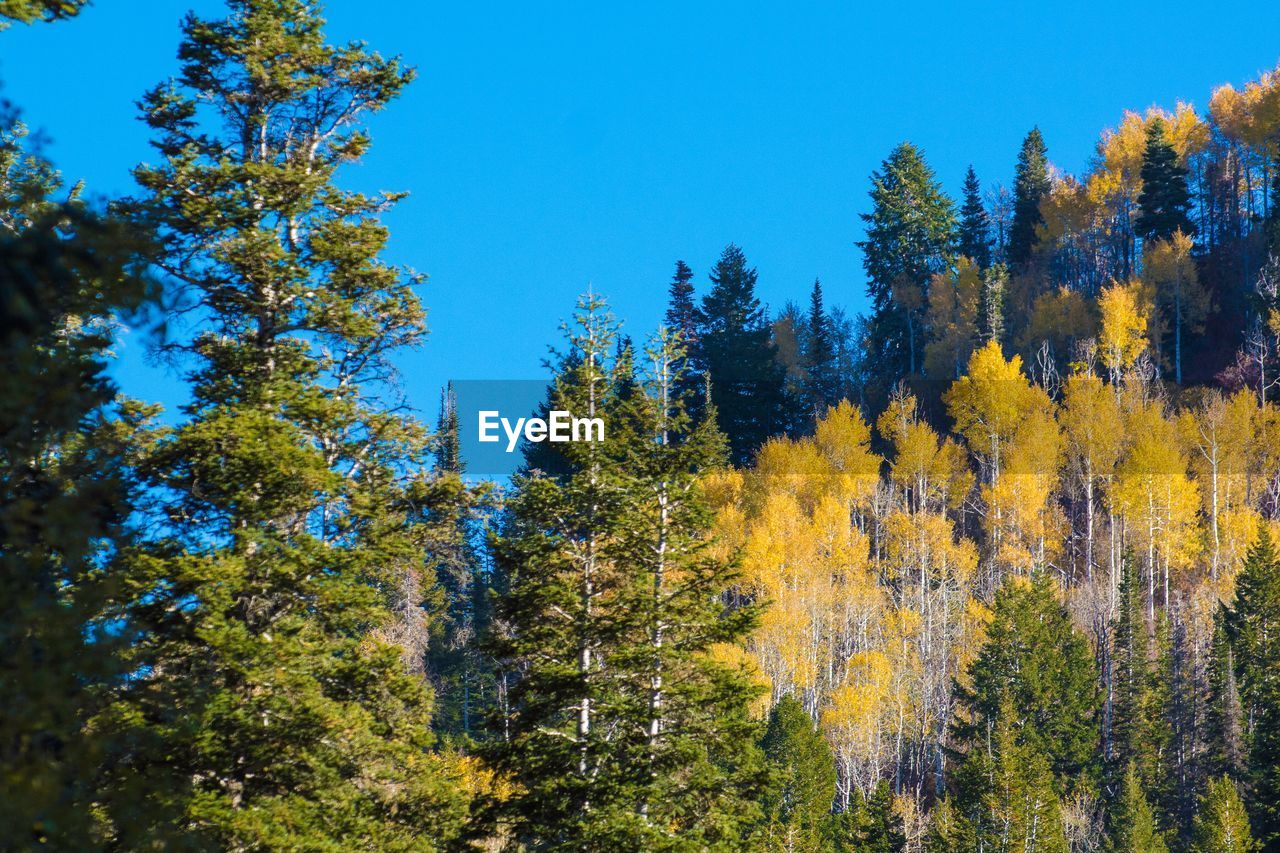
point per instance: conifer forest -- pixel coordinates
(991, 565)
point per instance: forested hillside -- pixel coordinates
(993, 566)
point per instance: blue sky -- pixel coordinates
(551, 146)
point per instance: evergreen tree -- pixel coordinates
(1131, 824)
(820, 364)
(1253, 624)
(1224, 716)
(746, 378)
(1005, 788)
(1037, 663)
(272, 706)
(30, 11)
(1139, 731)
(802, 788)
(910, 236)
(66, 494)
(682, 312)
(948, 830)
(1221, 825)
(1031, 183)
(622, 731)
(1165, 200)
(975, 226)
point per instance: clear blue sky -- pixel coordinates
(552, 145)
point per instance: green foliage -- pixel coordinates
(1140, 735)
(868, 826)
(1224, 715)
(797, 805)
(622, 728)
(1031, 183)
(1253, 624)
(1005, 789)
(1221, 824)
(1036, 666)
(822, 371)
(30, 11)
(910, 236)
(735, 347)
(1165, 200)
(280, 612)
(975, 226)
(66, 495)
(991, 305)
(1131, 825)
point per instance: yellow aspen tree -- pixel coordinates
(953, 319)
(1093, 431)
(1124, 327)
(1158, 499)
(1169, 268)
(1218, 434)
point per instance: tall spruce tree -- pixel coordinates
(1165, 200)
(822, 369)
(797, 805)
(1038, 667)
(272, 707)
(910, 236)
(868, 825)
(1139, 737)
(747, 380)
(1221, 825)
(1031, 183)
(1224, 738)
(975, 225)
(622, 731)
(1131, 823)
(1005, 791)
(66, 495)
(1253, 624)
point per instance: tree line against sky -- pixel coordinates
(991, 567)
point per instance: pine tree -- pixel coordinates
(30, 11)
(1165, 200)
(948, 830)
(1005, 788)
(67, 490)
(1037, 663)
(975, 226)
(1253, 624)
(819, 357)
(273, 707)
(1221, 825)
(682, 312)
(1224, 717)
(746, 377)
(1131, 824)
(910, 236)
(1139, 731)
(798, 803)
(1031, 183)
(622, 731)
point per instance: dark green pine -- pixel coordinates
(910, 236)
(1031, 182)
(747, 380)
(975, 226)
(1037, 660)
(284, 608)
(1165, 200)
(67, 493)
(1253, 625)
(797, 806)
